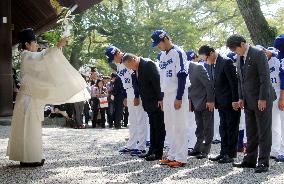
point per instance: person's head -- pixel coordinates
(113, 54)
(279, 45)
(27, 40)
(237, 44)
(130, 61)
(207, 53)
(93, 69)
(113, 77)
(160, 39)
(191, 56)
(106, 79)
(94, 75)
(100, 83)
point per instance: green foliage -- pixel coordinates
(128, 25)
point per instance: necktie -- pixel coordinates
(242, 63)
(213, 72)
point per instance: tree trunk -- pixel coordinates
(261, 33)
(75, 52)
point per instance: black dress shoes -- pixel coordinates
(261, 168)
(153, 157)
(193, 153)
(217, 158)
(225, 159)
(216, 141)
(202, 156)
(243, 165)
(144, 155)
(32, 164)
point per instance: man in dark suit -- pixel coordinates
(201, 95)
(225, 82)
(151, 96)
(256, 95)
(119, 95)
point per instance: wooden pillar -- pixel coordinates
(6, 82)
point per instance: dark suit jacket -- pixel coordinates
(254, 82)
(118, 90)
(201, 89)
(225, 83)
(149, 85)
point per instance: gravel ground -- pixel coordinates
(90, 156)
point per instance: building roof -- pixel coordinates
(40, 15)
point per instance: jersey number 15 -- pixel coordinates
(169, 73)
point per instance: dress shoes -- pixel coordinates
(32, 164)
(217, 158)
(144, 155)
(202, 156)
(243, 165)
(193, 153)
(225, 159)
(261, 168)
(153, 157)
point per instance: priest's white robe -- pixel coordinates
(47, 78)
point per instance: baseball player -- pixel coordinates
(279, 45)
(137, 116)
(191, 57)
(174, 84)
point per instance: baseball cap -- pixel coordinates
(190, 55)
(279, 42)
(232, 56)
(110, 52)
(157, 36)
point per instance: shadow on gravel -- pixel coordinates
(16, 174)
(206, 172)
(248, 175)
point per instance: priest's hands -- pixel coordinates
(61, 43)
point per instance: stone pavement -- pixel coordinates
(90, 156)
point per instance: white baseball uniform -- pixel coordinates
(138, 118)
(172, 63)
(277, 115)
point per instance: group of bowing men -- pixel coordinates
(248, 81)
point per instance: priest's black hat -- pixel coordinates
(26, 35)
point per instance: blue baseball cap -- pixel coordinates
(110, 52)
(157, 36)
(232, 56)
(279, 43)
(190, 55)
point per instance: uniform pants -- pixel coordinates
(137, 124)
(277, 130)
(176, 124)
(191, 130)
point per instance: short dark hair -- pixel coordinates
(113, 75)
(128, 56)
(93, 69)
(98, 81)
(205, 50)
(235, 41)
